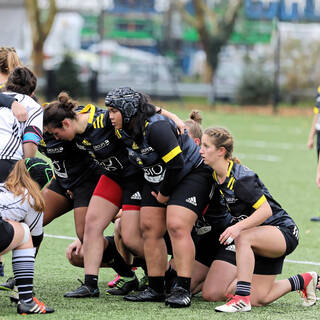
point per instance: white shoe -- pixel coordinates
(308, 293)
(236, 304)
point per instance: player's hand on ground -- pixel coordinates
(74, 246)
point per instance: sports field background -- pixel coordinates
(274, 147)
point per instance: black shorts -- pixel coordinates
(5, 168)
(192, 192)
(264, 265)
(81, 193)
(207, 248)
(6, 234)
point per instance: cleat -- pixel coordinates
(1, 270)
(143, 283)
(235, 304)
(83, 291)
(8, 285)
(144, 296)
(317, 219)
(123, 286)
(113, 282)
(35, 306)
(308, 293)
(178, 298)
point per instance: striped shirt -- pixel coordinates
(10, 136)
(31, 130)
(12, 208)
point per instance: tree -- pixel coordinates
(214, 30)
(40, 28)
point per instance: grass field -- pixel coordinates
(273, 146)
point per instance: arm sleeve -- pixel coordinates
(32, 134)
(164, 141)
(6, 101)
(247, 189)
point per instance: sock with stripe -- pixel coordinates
(296, 282)
(243, 288)
(23, 270)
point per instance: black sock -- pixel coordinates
(297, 282)
(157, 284)
(91, 280)
(184, 282)
(243, 288)
(140, 262)
(114, 258)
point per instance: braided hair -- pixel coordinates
(221, 137)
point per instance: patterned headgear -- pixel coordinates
(126, 100)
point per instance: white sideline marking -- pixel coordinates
(261, 157)
(286, 260)
(59, 237)
(272, 145)
(302, 262)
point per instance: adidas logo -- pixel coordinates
(136, 196)
(192, 200)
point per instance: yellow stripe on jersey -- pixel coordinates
(92, 109)
(101, 120)
(259, 202)
(215, 176)
(118, 134)
(315, 110)
(2, 85)
(231, 182)
(230, 167)
(169, 156)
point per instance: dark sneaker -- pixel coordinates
(143, 283)
(317, 219)
(35, 306)
(179, 298)
(147, 295)
(83, 291)
(8, 285)
(123, 286)
(1, 270)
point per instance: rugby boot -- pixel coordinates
(308, 293)
(235, 304)
(83, 291)
(113, 282)
(178, 298)
(35, 306)
(8, 285)
(123, 286)
(143, 283)
(144, 296)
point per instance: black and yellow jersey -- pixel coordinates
(316, 109)
(100, 140)
(244, 193)
(164, 155)
(71, 165)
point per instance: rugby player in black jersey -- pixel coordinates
(119, 186)
(175, 191)
(262, 231)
